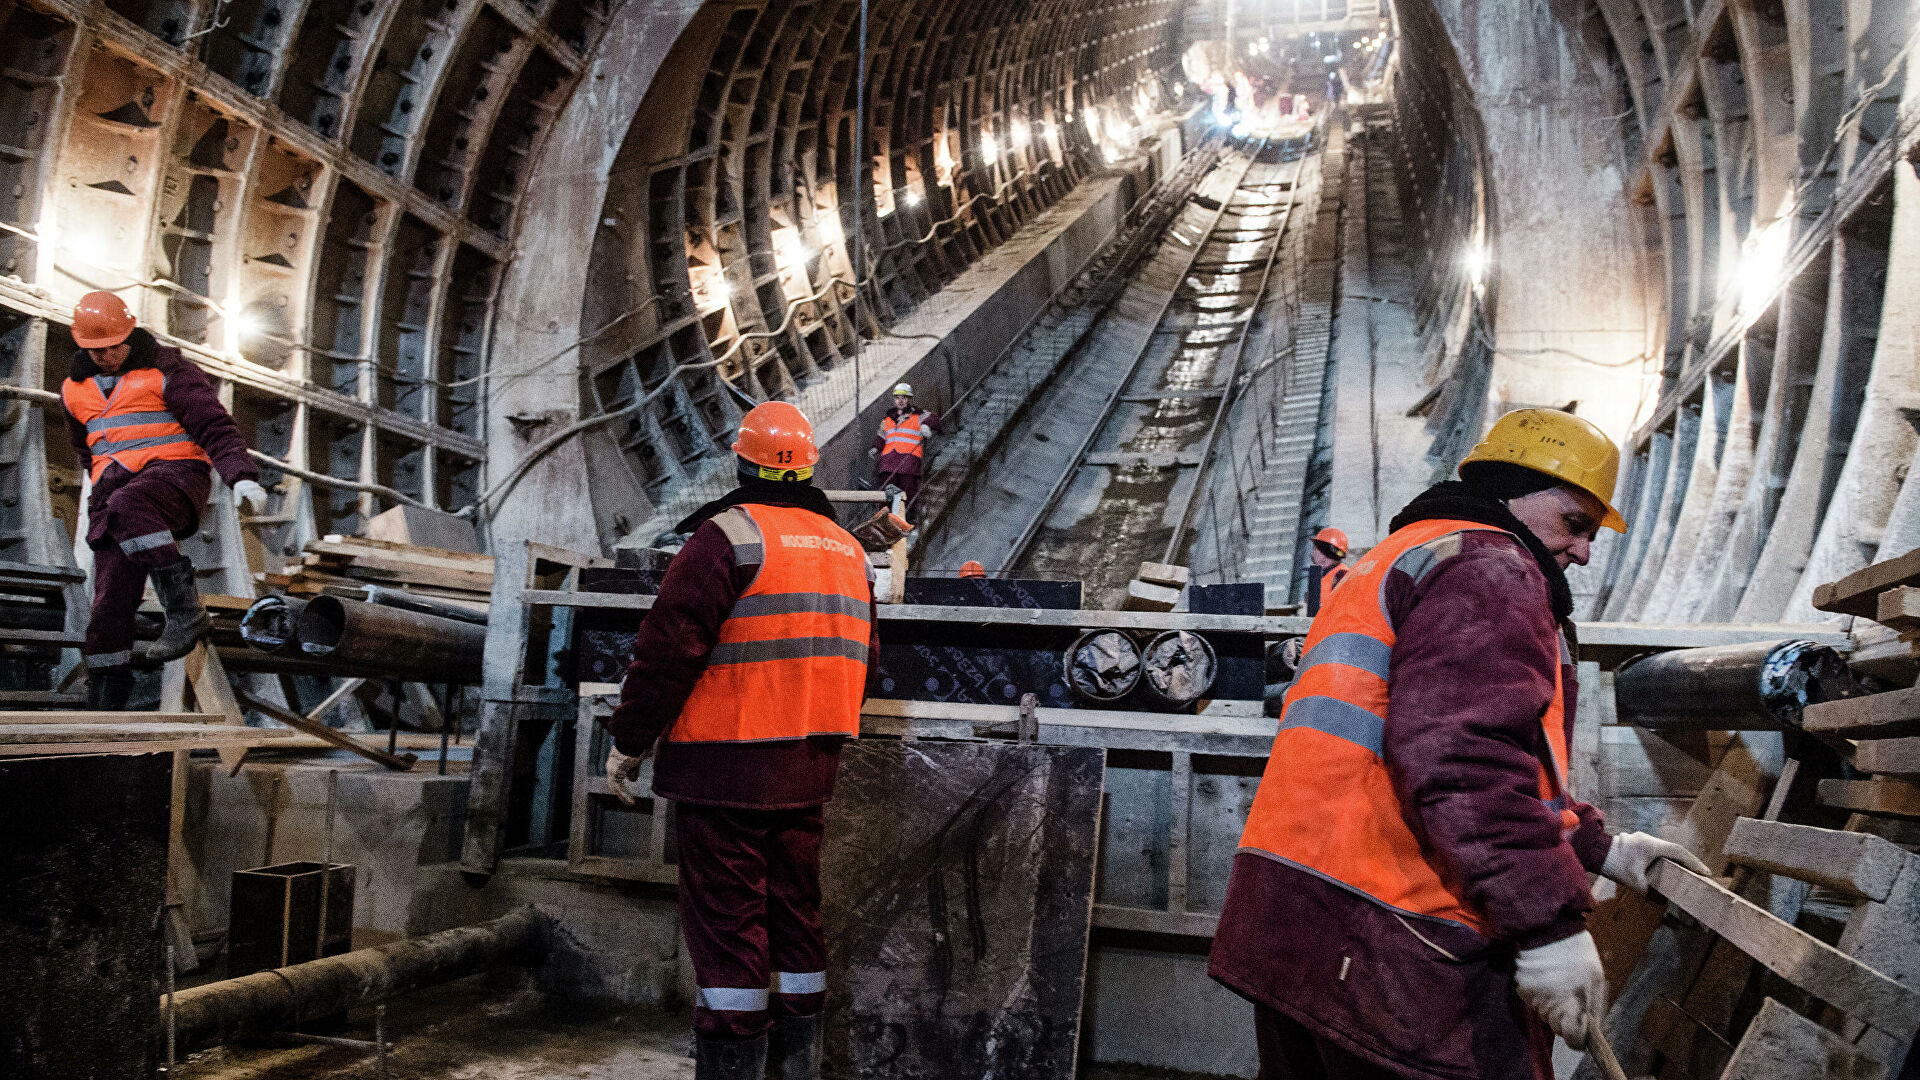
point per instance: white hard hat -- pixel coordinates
(903, 390)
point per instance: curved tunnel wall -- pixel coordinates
(722, 263)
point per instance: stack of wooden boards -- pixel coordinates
(347, 563)
(1804, 961)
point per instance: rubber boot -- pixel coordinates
(187, 620)
(729, 1059)
(793, 1052)
(109, 688)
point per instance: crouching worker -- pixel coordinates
(748, 673)
(149, 430)
(1410, 896)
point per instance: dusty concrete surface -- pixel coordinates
(487, 1026)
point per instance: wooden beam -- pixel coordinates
(1875, 716)
(1791, 953)
(1859, 864)
(398, 763)
(1897, 758)
(43, 740)
(1780, 1043)
(1858, 592)
(65, 716)
(1894, 797)
(1899, 608)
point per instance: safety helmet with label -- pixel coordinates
(902, 390)
(1333, 540)
(101, 320)
(1561, 445)
(972, 568)
(777, 437)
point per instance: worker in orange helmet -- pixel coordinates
(971, 568)
(149, 432)
(748, 674)
(1410, 895)
(1329, 548)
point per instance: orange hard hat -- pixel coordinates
(777, 437)
(1334, 539)
(970, 568)
(101, 320)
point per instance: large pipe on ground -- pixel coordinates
(1761, 685)
(402, 644)
(425, 605)
(255, 1006)
(272, 625)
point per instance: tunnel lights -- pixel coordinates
(790, 250)
(245, 324)
(912, 198)
(989, 149)
(1474, 262)
(1020, 135)
(1763, 263)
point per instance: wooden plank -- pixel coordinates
(373, 568)
(1791, 953)
(42, 572)
(1857, 593)
(569, 598)
(71, 717)
(332, 736)
(1081, 618)
(1616, 635)
(1898, 607)
(1859, 864)
(1898, 758)
(42, 637)
(43, 740)
(459, 560)
(213, 693)
(1780, 1044)
(50, 699)
(1895, 797)
(1145, 920)
(1893, 714)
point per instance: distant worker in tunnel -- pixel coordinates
(901, 445)
(1410, 895)
(149, 431)
(972, 568)
(1329, 549)
(748, 672)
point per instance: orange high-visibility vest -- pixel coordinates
(131, 425)
(792, 656)
(1326, 802)
(903, 436)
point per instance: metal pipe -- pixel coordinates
(425, 605)
(272, 624)
(258, 1005)
(1760, 685)
(373, 637)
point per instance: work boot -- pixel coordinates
(187, 620)
(794, 1050)
(729, 1059)
(109, 688)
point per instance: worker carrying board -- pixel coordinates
(749, 672)
(149, 431)
(901, 445)
(1410, 896)
(1328, 553)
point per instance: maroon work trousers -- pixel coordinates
(1290, 1051)
(907, 482)
(133, 519)
(750, 912)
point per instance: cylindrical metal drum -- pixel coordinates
(1178, 668)
(1103, 666)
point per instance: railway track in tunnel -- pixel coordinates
(1101, 470)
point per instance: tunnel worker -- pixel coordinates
(972, 568)
(149, 431)
(901, 445)
(1329, 548)
(1414, 869)
(752, 664)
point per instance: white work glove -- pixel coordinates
(871, 452)
(252, 495)
(620, 769)
(1563, 982)
(1633, 855)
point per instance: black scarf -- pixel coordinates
(766, 493)
(1461, 501)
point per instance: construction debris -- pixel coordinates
(335, 563)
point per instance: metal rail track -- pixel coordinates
(1180, 504)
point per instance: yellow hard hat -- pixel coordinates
(1561, 445)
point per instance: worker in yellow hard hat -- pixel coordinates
(1410, 895)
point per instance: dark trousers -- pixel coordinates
(750, 912)
(132, 522)
(908, 483)
(1289, 1051)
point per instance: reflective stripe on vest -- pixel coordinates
(1326, 802)
(127, 420)
(903, 436)
(792, 656)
